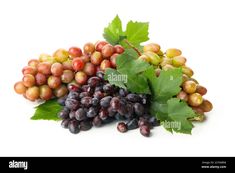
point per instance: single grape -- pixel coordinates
(154, 122)
(78, 64)
(81, 77)
(72, 104)
(20, 88)
(80, 114)
(132, 124)
(182, 96)
(45, 92)
(65, 123)
(195, 99)
(44, 57)
(33, 63)
(86, 101)
(32, 93)
(105, 64)
(133, 98)
(96, 58)
(115, 103)
(201, 90)
(105, 102)
(145, 131)
(95, 101)
(89, 48)
(152, 47)
(63, 114)
(139, 109)
(130, 111)
(108, 88)
(166, 61)
(73, 95)
(198, 110)
(92, 112)
(107, 51)
(57, 69)
(145, 58)
(72, 114)
(74, 126)
(113, 60)
(189, 87)
(44, 68)
(99, 88)
(29, 70)
(89, 69)
(170, 53)
(85, 58)
(188, 71)
(62, 100)
(158, 72)
(40, 79)
(61, 55)
(100, 74)
(118, 49)
(75, 52)
(99, 45)
(122, 127)
(54, 82)
(178, 61)
(103, 114)
(85, 125)
(61, 91)
(93, 81)
(67, 76)
(29, 80)
(119, 117)
(68, 65)
(73, 86)
(98, 94)
(111, 111)
(167, 67)
(206, 106)
(97, 121)
(123, 92)
(154, 58)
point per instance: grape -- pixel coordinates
(61, 100)
(89, 69)
(92, 112)
(108, 88)
(123, 92)
(122, 110)
(130, 111)
(67, 65)
(78, 64)
(142, 121)
(40, 79)
(75, 52)
(54, 82)
(105, 64)
(20, 88)
(195, 99)
(89, 48)
(28, 80)
(57, 69)
(166, 61)
(67, 76)
(44, 68)
(154, 58)
(198, 110)
(85, 125)
(98, 94)
(100, 74)
(103, 114)
(122, 127)
(81, 77)
(61, 55)
(73, 95)
(133, 98)
(188, 71)
(96, 58)
(139, 109)
(154, 122)
(167, 67)
(45, 92)
(61, 91)
(113, 60)
(74, 126)
(85, 58)
(33, 63)
(99, 88)
(86, 101)
(97, 121)
(201, 90)
(105, 102)
(72, 114)
(178, 61)
(182, 96)
(99, 45)
(73, 86)
(152, 47)
(29, 70)
(111, 111)
(72, 104)
(206, 106)
(189, 87)
(95, 101)
(170, 53)
(118, 49)
(143, 98)
(63, 114)
(145, 131)
(158, 72)
(184, 78)
(80, 114)
(44, 57)
(93, 81)
(145, 58)
(85, 88)
(132, 124)
(119, 117)
(115, 103)
(65, 123)
(107, 51)
(32, 93)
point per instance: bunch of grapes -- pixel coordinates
(53, 76)
(191, 91)
(98, 103)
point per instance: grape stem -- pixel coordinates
(133, 47)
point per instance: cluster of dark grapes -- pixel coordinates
(98, 103)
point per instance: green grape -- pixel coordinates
(154, 58)
(170, 53)
(61, 55)
(178, 61)
(188, 71)
(195, 99)
(189, 87)
(152, 47)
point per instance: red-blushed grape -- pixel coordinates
(158, 72)
(118, 49)
(73, 86)
(78, 64)
(28, 80)
(44, 68)
(206, 106)
(99, 45)
(29, 70)
(41, 79)
(57, 69)
(97, 68)
(89, 48)
(195, 99)
(89, 69)
(32, 93)
(198, 110)
(45, 92)
(113, 60)
(183, 96)
(96, 58)
(61, 55)
(85, 58)
(75, 52)
(152, 47)
(189, 86)
(20, 88)
(67, 76)
(81, 77)
(105, 64)
(54, 82)
(68, 65)
(107, 51)
(33, 63)
(61, 91)
(201, 90)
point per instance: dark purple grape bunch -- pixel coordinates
(98, 103)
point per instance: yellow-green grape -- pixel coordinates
(184, 78)
(167, 67)
(189, 87)
(188, 71)
(195, 99)
(170, 53)
(166, 61)
(194, 80)
(154, 58)
(182, 96)
(61, 55)
(145, 58)
(61, 91)
(160, 53)
(206, 106)
(152, 47)
(44, 57)
(178, 61)
(32, 93)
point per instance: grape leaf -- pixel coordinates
(112, 76)
(113, 32)
(137, 84)
(47, 111)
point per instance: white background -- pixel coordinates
(203, 30)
